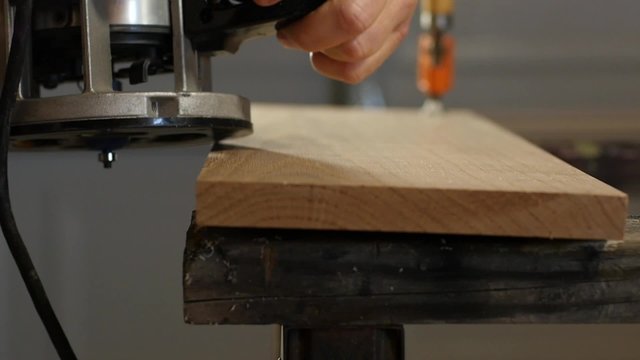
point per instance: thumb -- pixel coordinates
(266, 2)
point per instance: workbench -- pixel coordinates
(343, 289)
(355, 282)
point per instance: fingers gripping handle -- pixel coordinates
(222, 25)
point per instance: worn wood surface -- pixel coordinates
(400, 171)
(327, 278)
(552, 126)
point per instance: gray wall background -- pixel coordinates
(108, 244)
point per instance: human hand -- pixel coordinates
(349, 39)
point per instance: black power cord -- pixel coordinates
(15, 66)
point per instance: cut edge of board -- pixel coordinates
(601, 217)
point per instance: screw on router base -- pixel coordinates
(107, 158)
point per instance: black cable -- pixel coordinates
(15, 66)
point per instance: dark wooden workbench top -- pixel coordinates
(327, 278)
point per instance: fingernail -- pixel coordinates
(285, 40)
(267, 2)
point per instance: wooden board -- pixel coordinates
(552, 126)
(400, 171)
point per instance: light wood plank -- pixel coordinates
(552, 126)
(400, 170)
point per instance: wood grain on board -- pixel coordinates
(399, 170)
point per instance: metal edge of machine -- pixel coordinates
(140, 118)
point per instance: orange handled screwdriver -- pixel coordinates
(436, 66)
